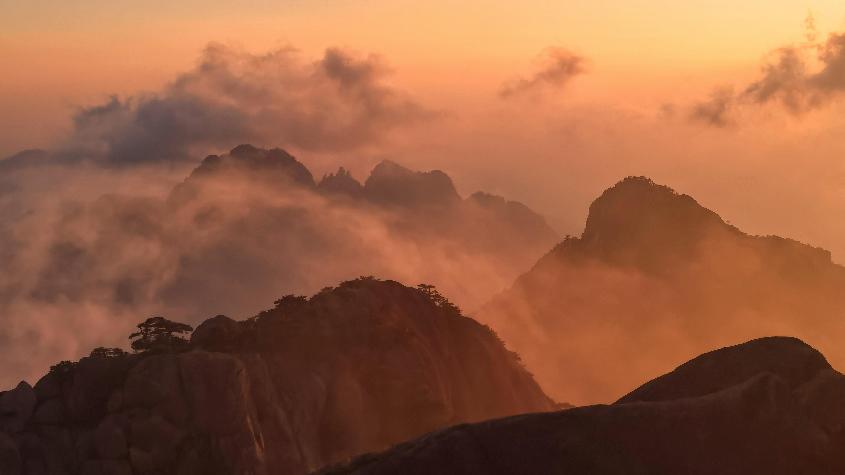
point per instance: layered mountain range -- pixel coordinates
(243, 227)
(655, 279)
(309, 382)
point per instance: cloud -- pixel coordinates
(339, 102)
(715, 110)
(559, 67)
(799, 78)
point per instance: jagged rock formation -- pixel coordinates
(355, 368)
(769, 406)
(341, 184)
(655, 279)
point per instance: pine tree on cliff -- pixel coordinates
(159, 333)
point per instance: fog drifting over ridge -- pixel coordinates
(546, 148)
(242, 230)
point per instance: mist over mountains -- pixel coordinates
(655, 279)
(242, 228)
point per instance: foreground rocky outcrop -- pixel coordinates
(312, 381)
(655, 279)
(772, 405)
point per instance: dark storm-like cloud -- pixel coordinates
(339, 102)
(559, 67)
(798, 78)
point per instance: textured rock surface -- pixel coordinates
(355, 368)
(755, 420)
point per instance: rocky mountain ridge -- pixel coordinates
(656, 278)
(772, 405)
(309, 382)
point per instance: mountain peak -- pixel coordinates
(244, 150)
(638, 202)
(392, 183)
(786, 357)
(341, 183)
(259, 166)
(655, 220)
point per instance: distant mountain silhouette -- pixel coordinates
(419, 211)
(341, 183)
(311, 381)
(770, 406)
(240, 227)
(654, 279)
(273, 168)
(638, 222)
(392, 184)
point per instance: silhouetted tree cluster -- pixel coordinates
(431, 292)
(290, 303)
(101, 352)
(159, 333)
(62, 367)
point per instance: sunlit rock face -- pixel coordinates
(655, 279)
(309, 382)
(771, 405)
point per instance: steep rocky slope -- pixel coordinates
(354, 368)
(655, 279)
(770, 406)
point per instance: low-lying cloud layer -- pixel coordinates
(83, 265)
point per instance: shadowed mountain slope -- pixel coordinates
(780, 414)
(352, 369)
(655, 279)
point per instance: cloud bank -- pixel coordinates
(339, 102)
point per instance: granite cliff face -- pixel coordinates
(655, 279)
(312, 381)
(772, 405)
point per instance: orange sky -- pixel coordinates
(778, 175)
(70, 53)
